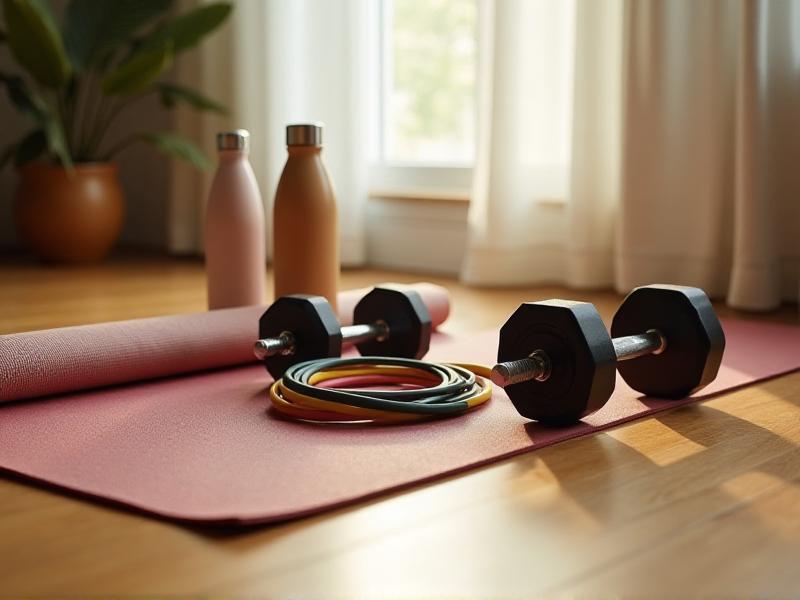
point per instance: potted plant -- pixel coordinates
(75, 79)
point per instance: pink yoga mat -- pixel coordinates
(204, 448)
(67, 359)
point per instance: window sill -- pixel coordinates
(445, 195)
(422, 194)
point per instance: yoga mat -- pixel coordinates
(204, 448)
(67, 359)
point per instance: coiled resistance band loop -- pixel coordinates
(423, 389)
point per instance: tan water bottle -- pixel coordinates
(305, 220)
(235, 238)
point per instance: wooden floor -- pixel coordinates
(702, 501)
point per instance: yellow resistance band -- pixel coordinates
(422, 390)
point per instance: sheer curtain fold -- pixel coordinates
(594, 163)
(620, 142)
(678, 133)
(279, 62)
(516, 226)
(705, 175)
(680, 166)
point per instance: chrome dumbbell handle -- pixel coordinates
(355, 334)
(271, 346)
(351, 334)
(633, 346)
(538, 365)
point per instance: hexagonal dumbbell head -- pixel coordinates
(312, 323)
(694, 338)
(407, 318)
(581, 354)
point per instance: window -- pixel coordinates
(426, 94)
(429, 73)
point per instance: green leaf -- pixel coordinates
(93, 28)
(138, 72)
(57, 141)
(186, 30)
(30, 147)
(46, 10)
(24, 98)
(45, 116)
(173, 94)
(35, 42)
(178, 146)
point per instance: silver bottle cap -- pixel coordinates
(304, 134)
(238, 139)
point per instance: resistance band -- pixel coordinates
(333, 389)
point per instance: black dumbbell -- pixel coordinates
(557, 362)
(386, 322)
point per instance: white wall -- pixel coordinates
(425, 236)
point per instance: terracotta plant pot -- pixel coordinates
(69, 217)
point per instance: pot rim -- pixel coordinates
(78, 167)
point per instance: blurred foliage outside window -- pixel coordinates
(430, 72)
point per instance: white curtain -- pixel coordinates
(621, 142)
(685, 127)
(280, 62)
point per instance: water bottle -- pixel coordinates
(235, 239)
(306, 221)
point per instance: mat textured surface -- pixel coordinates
(205, 448)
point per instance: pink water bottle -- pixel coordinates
(235, 238)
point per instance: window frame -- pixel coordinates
(404, 179)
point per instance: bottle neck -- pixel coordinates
(229, 156)
(304, 150)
